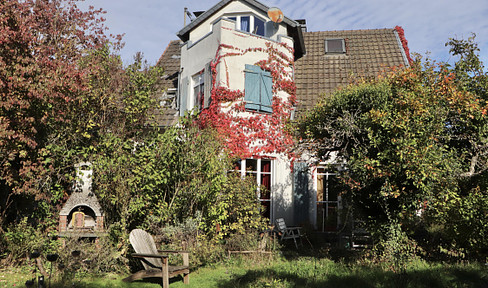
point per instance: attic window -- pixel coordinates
(249, 23)
(335, 46)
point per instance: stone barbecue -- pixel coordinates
(81, 215)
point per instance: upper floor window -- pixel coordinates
(335, 46)
(249, 23)
(258, 89)
(198, 90)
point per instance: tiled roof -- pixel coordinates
(170, 62)
(368, 52)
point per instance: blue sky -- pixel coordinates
(149, 25)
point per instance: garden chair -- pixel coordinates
(155, 261)
(285, 232)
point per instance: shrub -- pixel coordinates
(395, 250)
(23, 238)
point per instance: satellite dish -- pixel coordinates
(275, 14)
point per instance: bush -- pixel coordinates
(23, 238)
(396, 250)
(81, 257)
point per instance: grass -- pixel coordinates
(298, 272)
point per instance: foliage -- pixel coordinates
(45, 90)
(22, 239)
(173, 176)
(415, 141)
(144, 176)
(81, 257)
(40, 79)
(396, 250)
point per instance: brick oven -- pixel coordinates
(81, 215)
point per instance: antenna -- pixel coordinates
(275, 14)
(185, 14)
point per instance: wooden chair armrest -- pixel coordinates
(185, 254)
(143, 255)
(293, 228)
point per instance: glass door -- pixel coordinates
(327, 210)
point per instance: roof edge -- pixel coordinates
(294, 28)
(183, 33)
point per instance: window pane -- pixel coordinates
(252, 165)
(232, 18)
(320, 187)
(265, 192)
(333, 188)
(334, 46)
(265, 165)
(266, 208)
(237, 165)
(245, 23)
(198, 90)
(258, 26)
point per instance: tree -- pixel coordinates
(42, 83)
(414, 139)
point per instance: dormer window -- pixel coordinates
(335, 46)
(249, 23)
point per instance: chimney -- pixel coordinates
(303, 24)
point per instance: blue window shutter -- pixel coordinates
(252, 87)
(183, 96)
(258, 89)
(266, 92)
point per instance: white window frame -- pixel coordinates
(251, 22)
(198, 82)
(258, 173)
(328, 172)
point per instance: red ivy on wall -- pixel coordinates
(401, 34)
(252, 134)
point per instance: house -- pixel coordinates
(247, 76)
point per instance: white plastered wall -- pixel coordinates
(201, 49)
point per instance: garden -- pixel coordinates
(415, 141)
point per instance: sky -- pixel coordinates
(149, 25)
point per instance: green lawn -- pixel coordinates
(301, 272)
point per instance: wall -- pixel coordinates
(230, 50)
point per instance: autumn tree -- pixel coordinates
(42, 81)
(415, 141)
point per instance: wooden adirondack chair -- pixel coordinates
(285, 232)
(155, 261)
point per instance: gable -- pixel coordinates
(290, 27)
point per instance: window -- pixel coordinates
(258, 89)
(249, 23)
(329, 189)
(245, 23)
(258, 27)
(335, 46)
(198, 90)
(261, 170)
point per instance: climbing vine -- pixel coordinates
(401, 34)
(253, 133)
